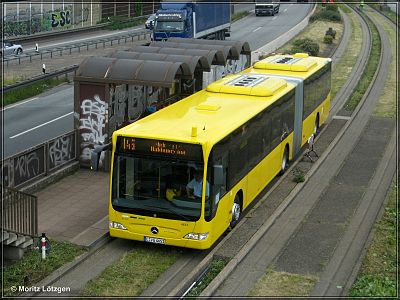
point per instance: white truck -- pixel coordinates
(267, 7)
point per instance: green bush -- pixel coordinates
(328, 39)
(332, 7)
(117, 22)
(32, 90)
(305, 45)
(326, 15)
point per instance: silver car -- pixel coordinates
(10, 48)
(149, 24)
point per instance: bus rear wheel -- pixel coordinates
(236, 211)
(284, 164)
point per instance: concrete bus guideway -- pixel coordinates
(333, 271)
(349, 85)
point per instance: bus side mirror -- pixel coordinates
(95, 156)
(218, 175)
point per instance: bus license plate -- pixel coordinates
(154, 240)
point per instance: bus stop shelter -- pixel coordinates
(110, 93)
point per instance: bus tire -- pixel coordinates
(316, 125)
(236, 211)
(285, 159)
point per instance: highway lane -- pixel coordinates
(38, 119)
(258, 31)
(50, 115)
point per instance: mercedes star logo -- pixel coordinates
(154, 230)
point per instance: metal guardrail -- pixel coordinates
(48, 52)
(39, 161)
(20, 212)
(32, 80)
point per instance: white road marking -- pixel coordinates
(274, 18)
(257, 29)
(285, 10)
(41, 125)
(19, 103)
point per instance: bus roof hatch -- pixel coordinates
(249, 84)
(299, 62)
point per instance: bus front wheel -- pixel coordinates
(236, 211)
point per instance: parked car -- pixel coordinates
(10, 48)
(149, 24)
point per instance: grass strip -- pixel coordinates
(118, 22)
(341, 69)
(282, 284)
(377, 277)
(378, 274)
(386, 106)
(369, 71)
(215, 268)
(30, 91)
(134, 272)
(31, 268)
(239, 15)
(387, 12)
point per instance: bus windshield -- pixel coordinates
(155, 187)
(169, 26)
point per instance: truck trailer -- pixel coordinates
(210, 20)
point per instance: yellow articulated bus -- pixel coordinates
(183, 175)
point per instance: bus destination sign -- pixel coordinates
(157, 147)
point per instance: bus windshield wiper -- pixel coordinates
(169, 210)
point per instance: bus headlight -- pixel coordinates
(117, 225)
(196, 236)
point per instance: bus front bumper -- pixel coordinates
(181, 242)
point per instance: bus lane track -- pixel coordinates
(269, 211)
(267, 251)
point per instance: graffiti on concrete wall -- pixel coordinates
(92, 126)
(61, 151)
(23, 167)
(7, 172)
(98, 116)
(38, 17)
(188, 86)
(128, 103)
(232, 66)
(155, 95)
(27, 166)
(61, 19)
